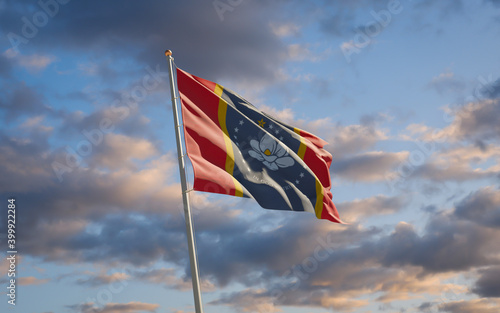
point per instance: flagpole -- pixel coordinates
(193, 260)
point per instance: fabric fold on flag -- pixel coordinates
(238, 150)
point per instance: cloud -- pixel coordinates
(351, 139)
(87, 196)
(127, 188)
(21, 164)
(119, 151)
(169, 278)
(5, 66)
(101, 217)
(130, 307)
(437, 171)
(300, 52)
(446, 83)
(339, 18)
(398, 266)
(31, 280)
(102, 279)
(474, 121)
(482, 207)
(369, 166)
(128, 204)
(488, 284)
(285, 30)
(364, 208)
(246, 29)
(491, 90)
(20, 99)
(459, 163)
(343, 288)
(448, 245)
(465, 150)
(119, 240)
(35, 62)
(471, 306)
(270, 251)
(117, 119)
(249, 301)
(343, 140)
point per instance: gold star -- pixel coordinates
(261, 123)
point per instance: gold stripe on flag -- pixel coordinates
(229, 145)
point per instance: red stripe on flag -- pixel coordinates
(210, 85)
(329, 210)
(315, 159)
(204, 139)
(318, 142)
(190, 87)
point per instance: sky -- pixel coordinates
(406, 93)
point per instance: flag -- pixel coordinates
(237, 150)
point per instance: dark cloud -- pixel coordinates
(241, 46)
(451, 171)
(103, 217)
(20, 99)
(20, 159)
(338, 285)
(125, 191)
(492, 90)
(478, 121)
(130, 307)
(122, 239)
(5, 66)
(119, 118)
(426, 306)
(447, 245)
(458, 162)
(470, 306)
(89, 218)
(370, 166)
(488, 284)
(482, 207)
(268, 251)
(365, 208)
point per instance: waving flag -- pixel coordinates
(238, 150)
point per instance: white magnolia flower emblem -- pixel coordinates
(270, 152)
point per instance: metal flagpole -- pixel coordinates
(187, 210)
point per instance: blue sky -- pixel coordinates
(407, 93)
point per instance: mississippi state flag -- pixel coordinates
(238, 150)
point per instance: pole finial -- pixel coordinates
(168, 52)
